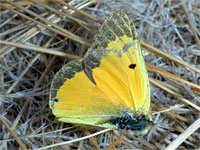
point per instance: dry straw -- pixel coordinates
(39, 36)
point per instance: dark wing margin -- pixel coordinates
(113, 27)
(88, 71)
(68, 71)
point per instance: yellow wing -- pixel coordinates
(75, 99)
(110, 80)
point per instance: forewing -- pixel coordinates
(116, 65)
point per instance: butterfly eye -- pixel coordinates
(132, 66)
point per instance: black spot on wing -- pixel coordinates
(132, 66)
(56, 99)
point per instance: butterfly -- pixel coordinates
(109, 87)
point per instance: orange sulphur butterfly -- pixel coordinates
(109, 87)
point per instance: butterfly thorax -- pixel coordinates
(130, 122)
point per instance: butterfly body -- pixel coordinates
(130, 122)
(109, 87)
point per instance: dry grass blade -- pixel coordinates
(66, 14)
(45, 72)
(92, 139)
(22, 36)
(116, 142)
(13, 134)
(169, 75)
(22, 74)
(24, 3)
(40, 49)
(190, 130)
(16, 122)
(161, 110)
(76, 140)
(191, 25)
(33, 31)
(150, 146)
(79, 11)
(161, 85)
(47, 22)
(158, 52)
